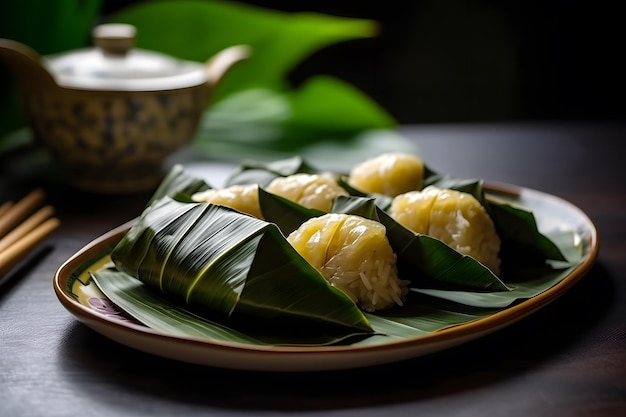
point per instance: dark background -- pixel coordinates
(480, 60)
(439, 61)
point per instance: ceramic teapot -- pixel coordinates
(111, 114)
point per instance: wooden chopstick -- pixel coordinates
(20, 210)
(26, 226)
(5, 207)
(21, 230)
(15, 253)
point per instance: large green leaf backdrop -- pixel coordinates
(255, 111)
(46, 26)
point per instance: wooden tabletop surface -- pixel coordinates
(568, 359)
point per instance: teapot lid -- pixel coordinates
(113, 64)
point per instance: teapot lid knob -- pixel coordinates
(114, 38)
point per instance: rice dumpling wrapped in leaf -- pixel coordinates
(217, 259)
(354, 255)
(388, 174)
(314, 191)
(243, 198)
(454, 217)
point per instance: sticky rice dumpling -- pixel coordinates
(354, 255)
(456, 218)
(388, 174)
(243, 198)
(309, 190)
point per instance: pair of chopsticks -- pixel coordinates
(24, 225)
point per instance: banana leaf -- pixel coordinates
(381, 200)
(195, 30)
(422, 259)
(529, 280)
(535, 281)
(522, 243)
(252, 172)
(178, 182)
(291, 215)
(424, 254)
(425, 261)
(163, 314)
(420, 316)
(218, 260)
(426, 310)
(437, 270)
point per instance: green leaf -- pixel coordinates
(196, 30)
(420, 316)
(426, 310)
(261, 115)
(344, 108)
(162, 314)
(48, 27)
(178, 182)
(325, 119)
(286, 214)
(522, 242)
(422, 259)
(531, 282)
(261, 173)
(381, 200)
(214, 258)
(425, 261)
(157, 312)
(465, 185)
(323, 108)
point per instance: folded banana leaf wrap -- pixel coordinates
(220, 260)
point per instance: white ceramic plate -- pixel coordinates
(84, 300)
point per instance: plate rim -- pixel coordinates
(234, 355)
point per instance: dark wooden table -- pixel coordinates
(568, 359)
